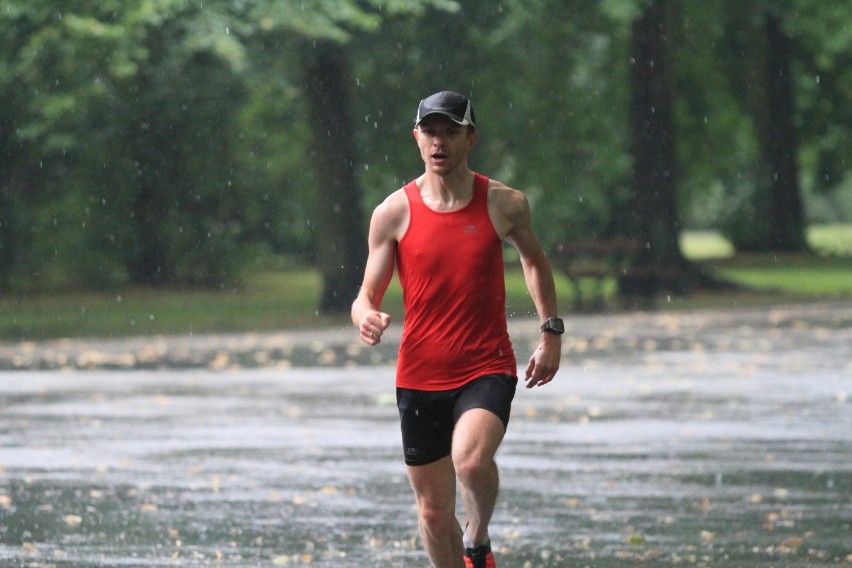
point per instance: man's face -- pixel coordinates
(444, 145)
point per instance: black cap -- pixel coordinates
(452, 105)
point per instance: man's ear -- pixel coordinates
(473, 137)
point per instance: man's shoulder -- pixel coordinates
(505, 198)
(395, 201)
(393, 211)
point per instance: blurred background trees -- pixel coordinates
(169, 142)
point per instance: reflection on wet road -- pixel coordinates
(664, 442)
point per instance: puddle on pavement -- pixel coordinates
(656, 458)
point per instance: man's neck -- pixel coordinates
(447, 192)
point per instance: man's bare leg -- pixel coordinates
(476, 438)
(434, 487)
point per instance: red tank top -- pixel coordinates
(450, 266)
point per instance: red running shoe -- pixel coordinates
(479, 557)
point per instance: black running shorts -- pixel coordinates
(428, 418)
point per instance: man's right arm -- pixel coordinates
(386, 226)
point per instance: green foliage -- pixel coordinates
(159, 141)
(549, 94)
(723, 183)
(166, 141)
(124, 97)
(329, 19)
(824, 40)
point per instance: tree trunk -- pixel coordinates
(653, 219)
(786, 217)
(341, 248)
(7, 214)
(147, 263)
(773, 217)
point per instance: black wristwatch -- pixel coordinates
(553, 325)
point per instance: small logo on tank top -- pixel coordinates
(470, 228)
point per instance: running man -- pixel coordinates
(456, 372)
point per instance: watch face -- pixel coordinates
(554, 324)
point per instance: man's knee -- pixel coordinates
(436, 520)
(478, 435)
(474, 470)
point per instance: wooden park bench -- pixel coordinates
(595, 260)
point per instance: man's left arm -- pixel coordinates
(538, 275)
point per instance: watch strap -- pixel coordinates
(553, 325)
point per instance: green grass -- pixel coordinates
(289, 299)
(268, 301)
(801, 274)
(831, 239)
(827, 272)
(703, 245)
(825, 240)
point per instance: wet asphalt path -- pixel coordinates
(704, 439)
